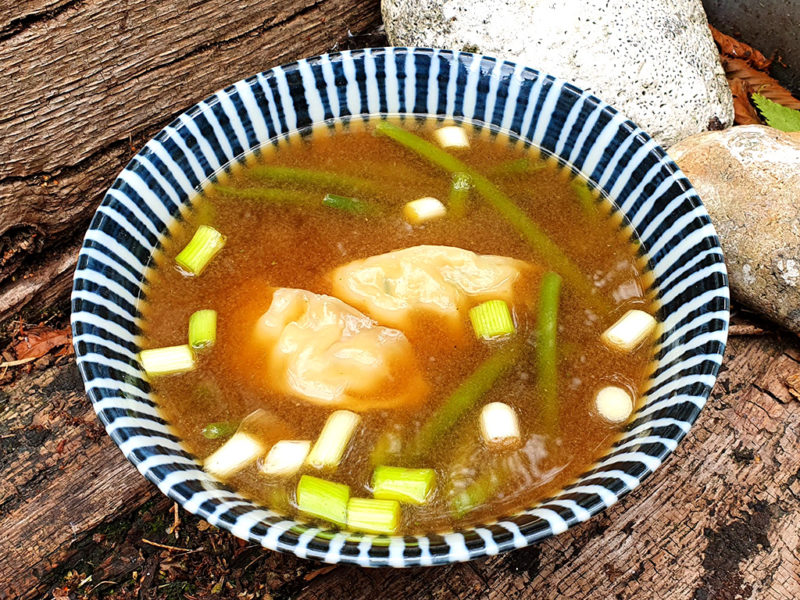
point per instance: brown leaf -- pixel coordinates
(38, 341)
(736, 49)
(317, 572)
(744, 111)
(758, 81)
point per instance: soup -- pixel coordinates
(398, 328)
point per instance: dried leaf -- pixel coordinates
(736, 49)
(38, 341)
(317, 572)
(744, 112)
(777, 116)
(759, 82)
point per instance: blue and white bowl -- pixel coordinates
(157, 187)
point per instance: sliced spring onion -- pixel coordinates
(167, 361)
(546, 349)
(460, 401)
(495, 474)
(354, 206)
(309, 177)
(425, 209)
(614, 403)
(221, 429)
(373, 516)
(404, 485)
(451, 136)
(203, 246)
(286, 457)
(234, 455)
(323, 499)
(332, 441)
(459, 193)
(499, 425)
(491, 319)
(634, 327)
(537, 239)
(203, 329)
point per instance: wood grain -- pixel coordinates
(719, 521)
(87, 82)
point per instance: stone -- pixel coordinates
(749, 180)
(655, 61)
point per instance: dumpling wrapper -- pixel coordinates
(440, 280)
(324, 351)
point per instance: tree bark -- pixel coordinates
(87, 82)
(719, 521)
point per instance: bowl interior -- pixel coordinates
(155, 190)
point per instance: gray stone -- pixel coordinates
(749, 180)
(655, 61)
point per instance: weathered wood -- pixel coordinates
(721, 520)
(86, 82)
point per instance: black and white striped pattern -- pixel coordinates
(149, 196)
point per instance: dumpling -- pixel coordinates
(324, 351)
(439, 280)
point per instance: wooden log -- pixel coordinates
(86, 83)
(720, 520)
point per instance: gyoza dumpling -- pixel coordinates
(324, 351)
(440, 280)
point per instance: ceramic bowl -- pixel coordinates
(589, 136)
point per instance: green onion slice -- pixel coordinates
(204, 245)
(167, 361)
(323, 499)
(221, 429)
(373, 516)
(404, 485)
(203, 329)
(491, 319)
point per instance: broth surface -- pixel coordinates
(280, 244)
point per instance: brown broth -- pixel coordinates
(271, 245)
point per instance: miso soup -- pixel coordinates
(398, 327)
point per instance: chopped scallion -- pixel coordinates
(373, 516)
(203, 329)
(203, 246)
(286, 457)
(585, 196)
(214, 431)
(234, 455)
(167, 361)
(323, 499)
(491, 319)
(401, 484)
(354, 206)
(422, 210)
(333, 440)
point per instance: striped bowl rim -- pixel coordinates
(153, 193)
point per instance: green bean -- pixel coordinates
(272, 195)
(310, 177)
(517, 166)
(585, 197)
(459, 192)
(546, 350)
(531, 232)
(353, 206)
(460, 401)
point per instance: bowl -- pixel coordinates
(156, 188)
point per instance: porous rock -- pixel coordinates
(749, 180)
(655, 61)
